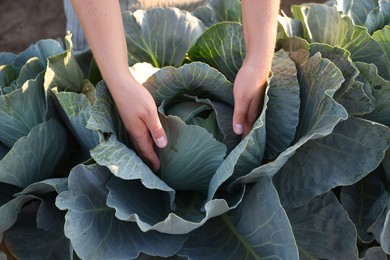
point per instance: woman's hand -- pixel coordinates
(139, 114)
(249, 88)
(259, 19)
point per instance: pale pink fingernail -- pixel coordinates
(161, 142)
(238, 129)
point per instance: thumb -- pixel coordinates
(157, 131)
(239, 116)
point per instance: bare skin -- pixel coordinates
(102, 23)
(260, 27)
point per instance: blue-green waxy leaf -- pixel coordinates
(125, 164)
(76, 110)
(8, 74)
(378, 17)
(218, 11)
(245, 157)
(346, 157)
(34, 157)
(105, 117)
(151, 209)
(226, 10)
(160, 36)
(191, 157)
(3, 150)
(324, 24)
(9, 212)
(193, 79)
(39, 230)
(221, 46)
(385, 234)
(94, 230)
(26, 241)
(9, 206)
(7, 192)
(258, 228)
(375, 253)
(21, 110)
(319, 79)
(352, 95)
(203, 87)
(64, 72)
(365, 201)
(323, 230)
(282, 117)
(42, 49)
(7, 58)
(357, 10)
(30, 70)
(380, 91)
(382, 37)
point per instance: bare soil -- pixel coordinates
(23, 23)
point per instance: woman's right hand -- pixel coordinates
(139, 114)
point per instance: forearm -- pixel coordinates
(103, 26)
(260, 28)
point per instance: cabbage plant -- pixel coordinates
(308, 182)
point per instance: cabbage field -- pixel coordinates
(310, 181)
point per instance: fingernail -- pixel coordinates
(161, 142)
(238, 129)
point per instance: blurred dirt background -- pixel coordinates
(24, 22)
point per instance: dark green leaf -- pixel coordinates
(221, 46)
(160, 36)
(34, 157)
(257, 229)
(323, 230)
(353, 150)
(21, 111)
(94, 230)
(365, 202)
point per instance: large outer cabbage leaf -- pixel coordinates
(34, 157)
(258, 228)
(160, 36)
(346, 157)
(94, 230)
(21, 111)
(365, 201)
(323, 229)
(39, 228)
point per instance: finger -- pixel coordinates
(144, 146)
(156, 130)
(254, 110)
(240, 113)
